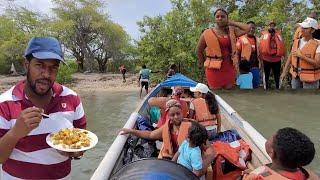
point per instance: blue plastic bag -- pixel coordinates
(227, 136)
(143, 123)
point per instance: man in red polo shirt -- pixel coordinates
(24, 153)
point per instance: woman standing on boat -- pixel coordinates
(172, 133)
(204, 108)
(219, 43)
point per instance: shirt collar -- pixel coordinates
(18, 90)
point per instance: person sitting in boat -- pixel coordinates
(172, 133)
(289, 150)
(161, 103)
(189, 153)
(204, 108)
(244, 80)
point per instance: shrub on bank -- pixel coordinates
(66, 71)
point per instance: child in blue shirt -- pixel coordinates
(245, 78)
(189, 153)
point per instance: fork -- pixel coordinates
(45, 115)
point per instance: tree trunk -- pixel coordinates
(102, 66)
(80, 63)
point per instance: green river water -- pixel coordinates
(266, 111)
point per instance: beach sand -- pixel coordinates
(85, 83)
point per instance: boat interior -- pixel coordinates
(230, 120)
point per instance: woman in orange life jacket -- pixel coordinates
(204, 108)
(219, 43)
(304, 58)
(271, 51)
(160, 102)
(289, 150)
(172, 133)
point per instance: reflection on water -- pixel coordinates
(266, 111)
(269, 111)
(106, 112)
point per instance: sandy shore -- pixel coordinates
(85, 82)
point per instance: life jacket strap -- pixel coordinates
(217, 58)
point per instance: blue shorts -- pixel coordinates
(256, 77)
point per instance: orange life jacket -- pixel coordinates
(202, 113)
(306, 71)
(235, 153)
(213, 50)
(265, 41)
(166, 149)
(267, 173)
(246, 48)
(298, 33)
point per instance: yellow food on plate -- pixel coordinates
(72, 138)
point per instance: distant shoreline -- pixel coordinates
(86, 83)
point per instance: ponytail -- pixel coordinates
(212, 103)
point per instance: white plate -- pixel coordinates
(93, 142)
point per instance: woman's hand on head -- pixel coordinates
(230, 22)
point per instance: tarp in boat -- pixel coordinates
(178, 80)
(153, 169)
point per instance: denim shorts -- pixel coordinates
(296, 83)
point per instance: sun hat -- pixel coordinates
(309, 23)
(200, 88)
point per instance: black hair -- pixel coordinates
(212, 103)
(197, 134)
(29, 57)
(144, 66)
(220, 9)
(173, 66)
(293, 148)
(244, 66)
(251, 22)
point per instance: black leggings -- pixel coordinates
(275, 66)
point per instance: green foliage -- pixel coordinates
(17, 26)
(66, 71)
(82, 26)
(88, 33)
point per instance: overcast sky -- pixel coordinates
(123, 12)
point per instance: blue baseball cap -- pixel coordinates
(44, 48)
